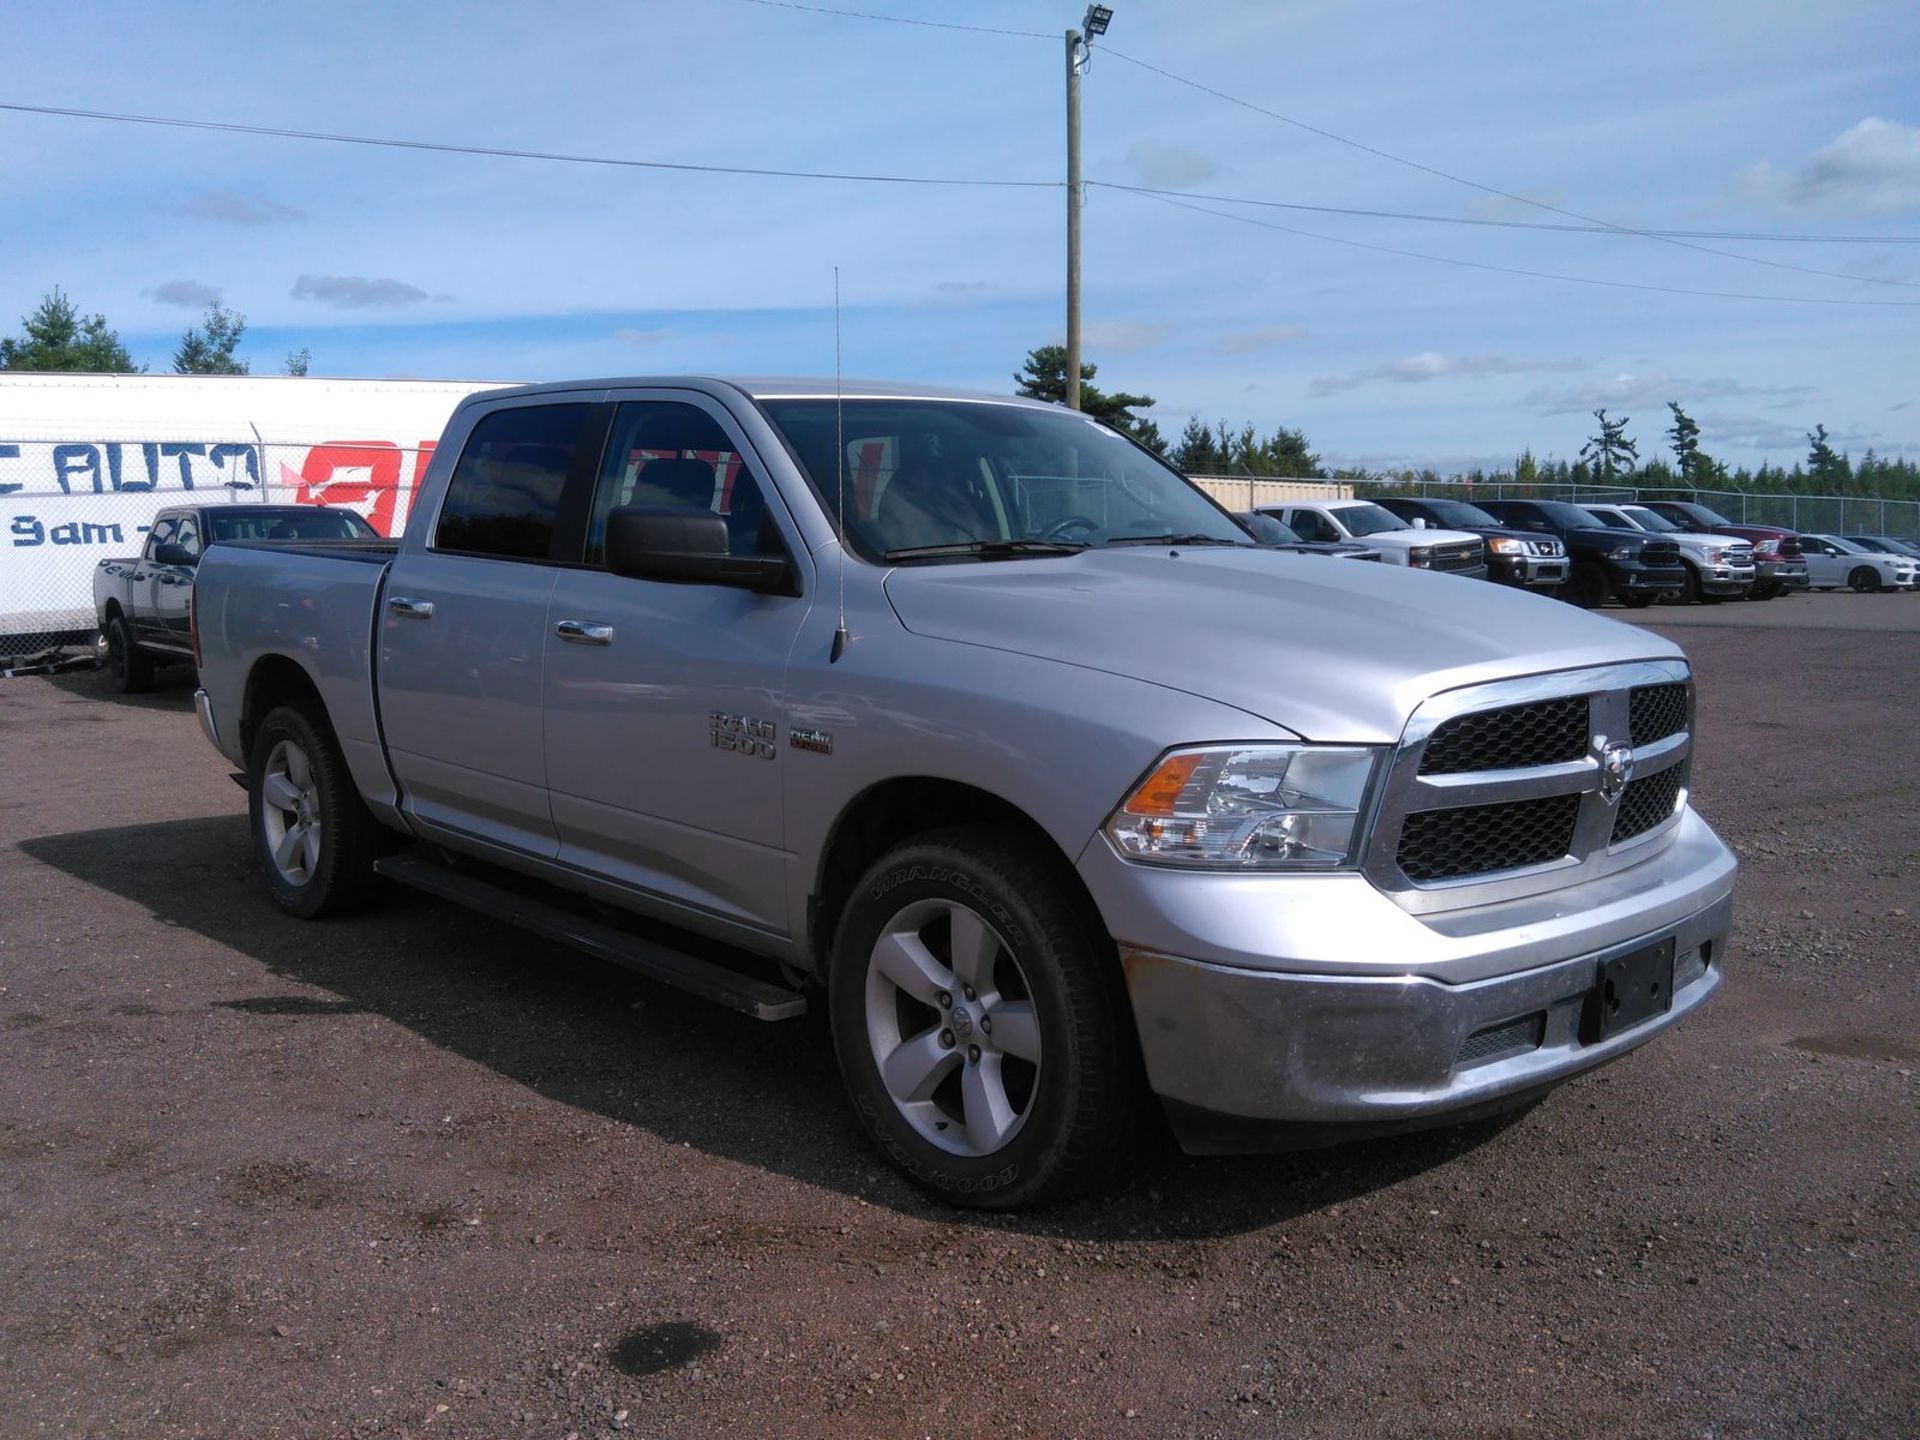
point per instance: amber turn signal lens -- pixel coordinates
(1160, 793)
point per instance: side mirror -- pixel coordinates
(687, 547)
(171, 554)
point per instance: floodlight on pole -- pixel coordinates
(1098, 18)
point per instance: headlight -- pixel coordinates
(1624, 552)
(1766, 548)
(1717, 556)
(1500, 546)
(1419, 554)
(1248, 807)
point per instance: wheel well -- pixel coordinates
(897, 810)
(275, 681)
(111, 613)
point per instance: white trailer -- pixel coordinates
(87, 460)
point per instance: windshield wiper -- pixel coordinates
(985, 549)
(1195, 538)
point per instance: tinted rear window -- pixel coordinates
(504, 497)
(308, 523)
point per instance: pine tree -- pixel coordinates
(208, 349)
(1610, 453)
(56, 338)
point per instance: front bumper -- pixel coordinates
(1527, 570)
(1630, 577)
(1726, 579)
(1782, 574)
(1271, 1014)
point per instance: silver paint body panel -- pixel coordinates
(1051, 683)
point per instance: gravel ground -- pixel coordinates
(413, 1174)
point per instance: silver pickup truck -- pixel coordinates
(1049, 784)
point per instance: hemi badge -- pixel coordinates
(818, 741)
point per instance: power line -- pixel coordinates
(1472, 184)
(1515, 270)
(1496, 223)
(501, 152)
(901, 19)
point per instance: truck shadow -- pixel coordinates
(587, 1034)
(173, 687)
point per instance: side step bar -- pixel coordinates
(761, 999)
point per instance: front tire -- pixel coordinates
(1586, 586)
(978, 1021)
(1864, 580)
(312, 835)
(128, 666)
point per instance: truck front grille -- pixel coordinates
(1486, 839)
(1455, 557)
(1660, 552)
(1656, 711)
(1546, 732)
(1499, 790)
(1645, 803)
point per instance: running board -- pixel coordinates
(759, 998)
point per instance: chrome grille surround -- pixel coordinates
(1592, 852)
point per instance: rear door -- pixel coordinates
(462, 626)
(666, 703)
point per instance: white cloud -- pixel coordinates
(1121, 335)
(1655, 387)
(353, 292)
(231, 209)
(1168, 167)
(190, 293)
(1245, 342)
(1432, 365)
(642, 337)
(1872, 169)
(1756, 432)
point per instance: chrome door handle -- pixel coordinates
(412, 609)
(584, 632)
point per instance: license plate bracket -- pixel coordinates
(1628, 990)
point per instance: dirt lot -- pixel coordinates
(414, 1174)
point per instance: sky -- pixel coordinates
(1748, 116)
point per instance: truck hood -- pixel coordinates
(1329, 651)
(1407, 539)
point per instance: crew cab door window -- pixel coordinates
(187, 537)
(663, 453)
(160, 534)
(1312, 525)
(504, 497)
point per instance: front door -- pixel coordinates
(1825, 564)
(665, 703)
(170, 589)
(461, 633)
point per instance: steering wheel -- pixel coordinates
(1060, 529)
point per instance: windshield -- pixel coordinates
(1709, 517)
(1572, 517)
(957, 479)
(1461, 516)
(309, 522)
(1267, 530)
(1368, 519)
(1650, 519)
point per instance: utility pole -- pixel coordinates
(1079, 51)
(1075, 54)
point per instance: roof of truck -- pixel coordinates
(780, 387)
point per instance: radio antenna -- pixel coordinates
(840, 471)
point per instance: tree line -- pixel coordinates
(1609, 456)
(56, 336)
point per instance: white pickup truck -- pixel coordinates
(1400, 542)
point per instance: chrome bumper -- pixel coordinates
(208, 726)
(1397, 1031)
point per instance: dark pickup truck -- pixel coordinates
(1514, 557)
(1630, 566)
(1778, 564)
(144, 602)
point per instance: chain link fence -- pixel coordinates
(67, 505)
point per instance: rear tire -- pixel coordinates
(979, 1021)
(312, 835)
(1864, 580)
(129, 668)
